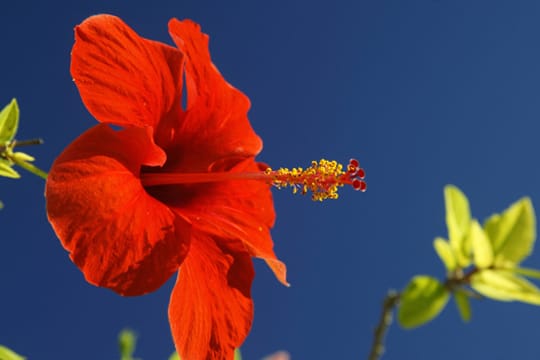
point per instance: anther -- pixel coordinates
(322, 178)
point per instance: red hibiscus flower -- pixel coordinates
(171, 187)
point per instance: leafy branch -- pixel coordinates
(9, 124)
(480, 261)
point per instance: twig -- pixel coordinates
(389, 303)
(27, 142)
(15, 143)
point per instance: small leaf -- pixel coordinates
(127, 341)
(421, 301)
(7, 171)
(531, 273)
(20, 156)
(9, 122)
(174, 356)
(458, 218)
(503, 285)
(481, 246)
(463, 305)
(7, 354)
(444, 250)
(237, 355)
(513, 233)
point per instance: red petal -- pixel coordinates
(216, 114)
(123, 78)
(240, 213)
(118, 235)
(211, 308)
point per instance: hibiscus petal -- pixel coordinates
(123, 78)
(118, 235)
(216, 113)
(211, 308)
(239, 213)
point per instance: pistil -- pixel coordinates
(323, 178)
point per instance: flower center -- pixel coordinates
(322, 178)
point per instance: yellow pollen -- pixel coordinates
(322, 178)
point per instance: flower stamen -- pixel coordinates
(323, 178)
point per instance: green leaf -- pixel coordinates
(481, 246)
(512, 233)
(531, 273)
(445, 252)
(458, 218)
(9, 122)
(127, 341)
(7, 171)
(174, 356)
(237, 355)
(20, 156)
(503, 285)
(421, 301)
(463, 305)
(7, 354)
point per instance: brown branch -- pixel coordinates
(15, 143)
(27, 142)
(390, 302)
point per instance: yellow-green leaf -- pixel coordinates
(237, 355)
(445, 252)
(20, 156)
(421, 301)
(532, 273)
(513, 232)
(458, 218)
(174, 356)
(127, 341)
(481, 246)
(503, 285)
(7, 171)
(9, 122)
(7, 354)
(463, 304)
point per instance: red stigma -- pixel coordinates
(355, 175)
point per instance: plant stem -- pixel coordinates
(31, 168)
(6, 153)
(389, 303)
(27, 142)
(18, 143)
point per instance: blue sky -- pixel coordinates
(423, 93)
